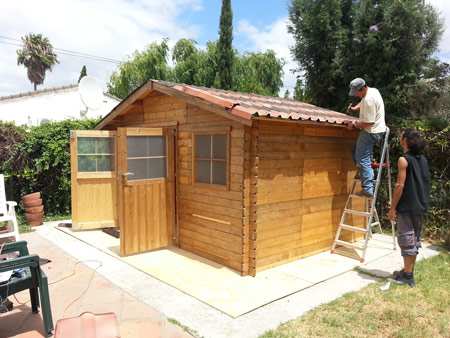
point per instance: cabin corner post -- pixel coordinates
(252, 198)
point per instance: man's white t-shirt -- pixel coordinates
(372, 111)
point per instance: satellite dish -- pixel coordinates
(91, 92)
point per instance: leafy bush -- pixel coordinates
(39, 160)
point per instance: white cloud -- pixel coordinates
(276, 37)
(112, 29)
(443, 7)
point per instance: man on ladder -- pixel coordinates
(372, 126)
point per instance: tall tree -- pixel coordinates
(140, 67)
(393, 45)
(225, 51)
(258, 73)
(83, 73)
(37, 56)
(387, 42)
(321, 37)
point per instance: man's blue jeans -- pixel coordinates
(361, 152)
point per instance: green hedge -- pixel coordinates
(38, 159)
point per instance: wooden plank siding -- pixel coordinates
(303, 174)
(211, 218)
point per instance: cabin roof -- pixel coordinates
(238, 106)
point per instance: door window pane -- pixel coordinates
(95, 154)
(148, 168)
(146, 157)
(146, 146)
(86, 145)
(86, 163)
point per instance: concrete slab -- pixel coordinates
(207, 321)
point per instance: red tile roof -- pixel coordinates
(247, 105)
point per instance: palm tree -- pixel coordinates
(37, 56)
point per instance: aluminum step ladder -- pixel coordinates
(370, 212)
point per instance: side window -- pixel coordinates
(95, 154)
(211, 158)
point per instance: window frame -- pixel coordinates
(211, 131)
(94, 134)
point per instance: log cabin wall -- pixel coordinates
(209, 218)
(301, 177)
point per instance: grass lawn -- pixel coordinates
(401, 311)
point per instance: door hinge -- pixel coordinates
(174, 133)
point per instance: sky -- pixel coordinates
(114, 29)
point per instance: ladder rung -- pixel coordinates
(352, 228)
(367, 198)
(374, 223)
(349, 245)
(356, 212)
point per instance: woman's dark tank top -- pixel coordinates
(416, 193)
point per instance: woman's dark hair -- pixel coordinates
(416, 144)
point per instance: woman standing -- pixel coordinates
(410, 201)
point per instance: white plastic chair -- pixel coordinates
(8, 214)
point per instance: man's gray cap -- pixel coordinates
(356, 85)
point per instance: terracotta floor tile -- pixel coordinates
(141, 329)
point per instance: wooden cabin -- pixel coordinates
(245, 180)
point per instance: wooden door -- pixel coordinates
(146, 188)
(93, 179)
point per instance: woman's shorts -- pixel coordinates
(409, 233)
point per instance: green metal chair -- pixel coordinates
(34, 280)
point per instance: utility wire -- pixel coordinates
(65, 52)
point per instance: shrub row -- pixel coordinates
(38, 159)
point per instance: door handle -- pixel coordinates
(123, 175)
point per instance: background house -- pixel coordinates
(245, 180)
(53, 104)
